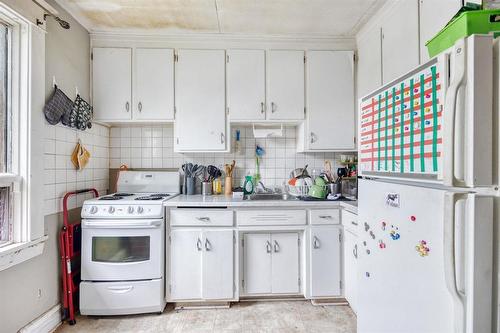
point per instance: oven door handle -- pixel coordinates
(127, 225)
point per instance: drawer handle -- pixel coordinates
(121, 290)
(354, 223)
(355, 251)
(203, 219)
(208, 246)
(198, 244)
(316, 243)
(261, 107)
(276, 247)
(325, 217)
(268, 247)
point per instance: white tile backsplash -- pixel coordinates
(60, 174)
(152, 147)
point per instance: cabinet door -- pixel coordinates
(285, 71)
(350, 268)
(400, 36)
(112, 83)
(246, 84)
(434, 15)
(257, 263)
(285, 263)
(330, 99)
(369, 66)
(218, 264)
(325, 261)
(200, 123)
(154, 84)
(185, 264)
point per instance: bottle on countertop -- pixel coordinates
(248, 185)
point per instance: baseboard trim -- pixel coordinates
(46, 323)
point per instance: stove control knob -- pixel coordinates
(111, 209)
(93, 209)
(140, 210)
(130, 209)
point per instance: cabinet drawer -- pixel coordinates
(350, 221)
(201, 217)
(120, 298)
(271, 217)
(324, 216)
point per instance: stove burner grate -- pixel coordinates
(123, 194)
(110, 198)
(149, 197)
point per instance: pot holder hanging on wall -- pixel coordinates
(80, 156)
(57, 105)
(79, 116)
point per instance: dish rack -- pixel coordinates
(301, 191)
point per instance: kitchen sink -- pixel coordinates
(269, 196)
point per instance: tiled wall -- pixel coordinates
(60, 174)
(152, 147)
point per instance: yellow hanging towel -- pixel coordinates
(80, 156)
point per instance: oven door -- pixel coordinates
(119, 250)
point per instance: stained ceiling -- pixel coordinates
(274, 17)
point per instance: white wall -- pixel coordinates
(31, 288)
(152, 147)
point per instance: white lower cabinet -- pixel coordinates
(350, 268)
(201, 264)
(325, 261)
(271, 263)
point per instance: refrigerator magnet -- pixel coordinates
(381, 244)
(422, 248)
(413, 218)
(384, 225)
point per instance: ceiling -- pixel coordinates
(271, 17)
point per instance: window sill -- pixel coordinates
(17, 253)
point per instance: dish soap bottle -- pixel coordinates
(248, 185)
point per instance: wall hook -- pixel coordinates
(76, 91)
(54, 83)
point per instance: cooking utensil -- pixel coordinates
(328, 171)
(300, 173)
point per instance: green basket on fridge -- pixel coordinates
(466, 24)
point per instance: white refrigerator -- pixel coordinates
(428, 161)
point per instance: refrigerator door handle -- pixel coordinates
(450, 114)
(449, 242)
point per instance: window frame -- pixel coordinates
(19, 93)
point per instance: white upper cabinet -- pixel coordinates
(369, 65)
(200, 98)
(434, 15)
(285, 77)
(137, 86)
(112, 83)
(154, 84)
(400, 40)
(330, 120)
(246, 89)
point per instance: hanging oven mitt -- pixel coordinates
(57, 105)
(80, 156)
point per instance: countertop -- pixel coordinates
(228, 201)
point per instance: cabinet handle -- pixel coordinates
(354, 223)
(139, 106)
(261, 107)
(127, 106)
(273, 107)
(203, 219)
(198, 244)
(207, 245)
(315, 243)
(268, 247)
(355, 251)
(276, 247)
(325, 216)
(221, 137)
(313, 138)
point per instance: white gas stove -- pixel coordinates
(123, 245)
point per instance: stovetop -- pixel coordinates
(126, 205)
